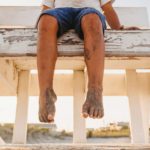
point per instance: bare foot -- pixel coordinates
(93, 106)
(47, 106)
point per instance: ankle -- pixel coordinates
(95, 87)
(43, 92)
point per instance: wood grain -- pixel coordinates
(22, 42)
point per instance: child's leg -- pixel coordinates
(94, 58)
(46, 59)
(52, 24)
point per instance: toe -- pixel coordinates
(96, 113)
(42, 118)
(85, 110)
(100, 113)
(50, 118)
(91, 113)
(85, 115)
(51, 113)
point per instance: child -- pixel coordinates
(86, 17)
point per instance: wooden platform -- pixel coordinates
(75, 147)
(128, 50)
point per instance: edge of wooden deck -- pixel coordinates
(75, 147)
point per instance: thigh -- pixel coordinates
(63, 16)
(83, 12)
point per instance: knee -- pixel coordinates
(47, 23)
(91, 24)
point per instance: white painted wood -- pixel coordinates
(137, 124)
(20, 126)
(144, 92)
(77, 63)
(127, 62)
(27, 15)
(90, 146)
(58, 146)
(79, 129)
(23, 42)
(9, 75)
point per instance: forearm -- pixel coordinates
(113, 20)
(111, 16)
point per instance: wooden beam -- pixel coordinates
(20, 126)
(77, 63)
(9, 75)
(79, 126)
(144, 93)
(137, 113)
(76, 147)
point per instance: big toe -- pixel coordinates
(50, 118)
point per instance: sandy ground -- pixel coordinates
(44, 135)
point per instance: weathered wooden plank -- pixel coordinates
(77, 63)
(23, 42)
(27, 15)
(75, 147)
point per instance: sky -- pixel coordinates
(116, 108)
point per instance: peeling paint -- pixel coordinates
(23, 42)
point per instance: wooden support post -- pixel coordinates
(144, 87)
(136, 105)
(20, 127)
(79, 133)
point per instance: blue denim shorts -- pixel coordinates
(70, 18)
